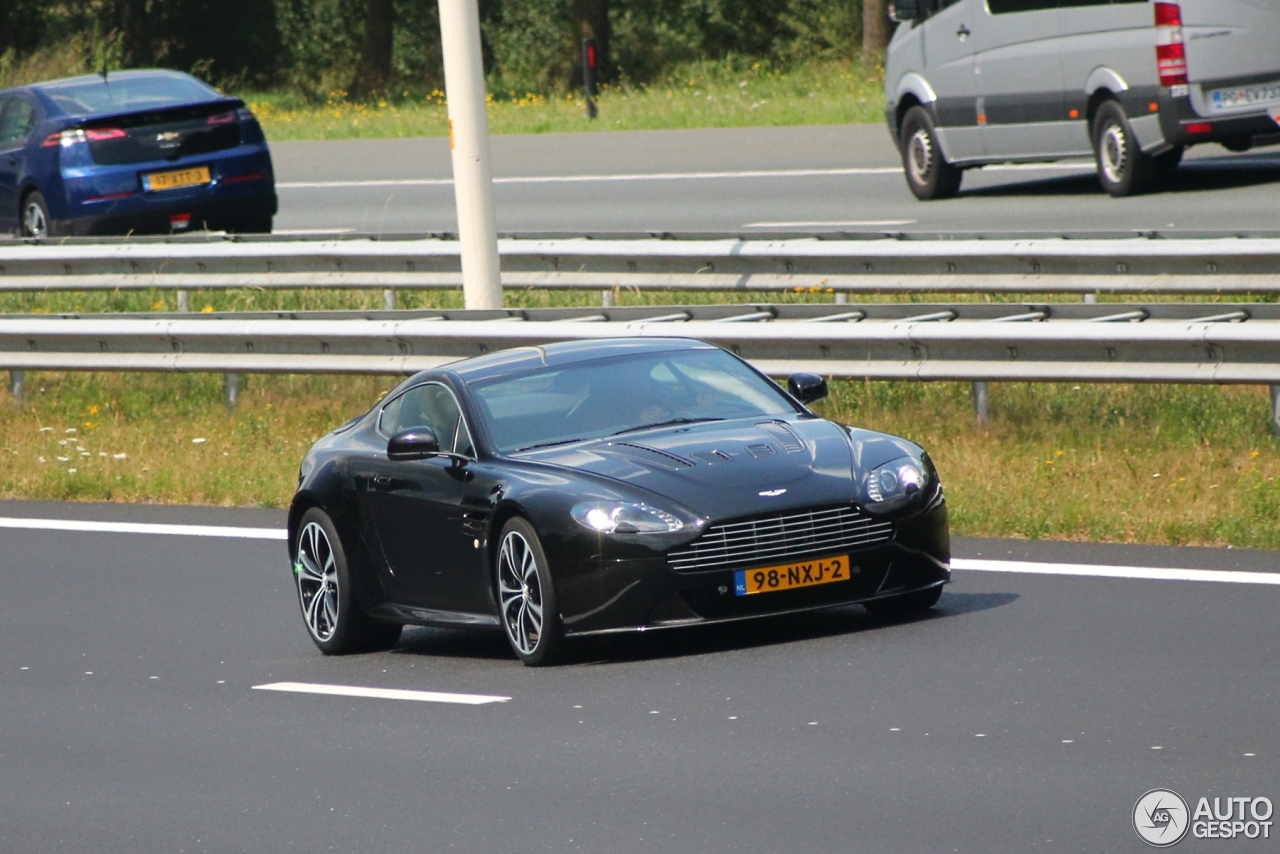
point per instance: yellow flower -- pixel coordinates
(93, 410)
(1253, 454)
(1048, 462)
(208, 309)
(91, 423)
(157, 305)
(1060, 453)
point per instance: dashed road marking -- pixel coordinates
(381, 693)
(143, 528)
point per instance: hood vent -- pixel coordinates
(761, 451)
(785, 436)
(712, 458)
(649, 456)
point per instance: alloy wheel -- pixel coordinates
(34, 222)
(520, 592)
(317, 573)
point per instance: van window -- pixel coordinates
(1004, 7)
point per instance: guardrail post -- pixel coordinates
(607, 299)
(1275, 409)
(231, 387)
(389, 299)
(842, 298)
(980, 403)
(1090, 299)
(18, 385)
(184, 301)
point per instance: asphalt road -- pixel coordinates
(750, 181)
(1028, 714)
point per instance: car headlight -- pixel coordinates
(896, 483)
(615, 517)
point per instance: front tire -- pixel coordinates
(905, 604)
(527, 603)
(334, 621)
(34, 216)
(1123, 170)
(929, 175)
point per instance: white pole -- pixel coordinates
(469, 142)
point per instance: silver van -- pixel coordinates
(1132, 82)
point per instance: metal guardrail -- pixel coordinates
(1128, 266)
(1176, 343)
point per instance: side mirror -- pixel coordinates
(905, 10)
(807, 388)
(416, 444)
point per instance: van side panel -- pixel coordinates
(1100, 46)
(1020, 82)
(948, 55)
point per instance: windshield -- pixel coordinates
(590, 400)
(86, 96)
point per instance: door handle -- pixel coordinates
(381, 481)
(963, 33)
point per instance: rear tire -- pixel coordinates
(34, 216)
(929, 175)
(325, 590)
(905, 604)
(1123, 170)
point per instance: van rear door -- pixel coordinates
(1233, 62)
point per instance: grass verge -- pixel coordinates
(701, 95)
(1150, 464)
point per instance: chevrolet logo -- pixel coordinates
(169, 139)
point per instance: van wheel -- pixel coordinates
(1123, 170)
(929, 175)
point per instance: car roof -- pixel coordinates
(522, 359)
(48, 89)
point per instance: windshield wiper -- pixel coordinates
(670, 423)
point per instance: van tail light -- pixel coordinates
(1171, 54)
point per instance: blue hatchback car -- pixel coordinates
(131, 152)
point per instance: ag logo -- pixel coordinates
(1160, 817)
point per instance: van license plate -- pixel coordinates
(790, 575)
(176, 179)
(1245, 96)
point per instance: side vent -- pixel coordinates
(761, 451)
(778, 430)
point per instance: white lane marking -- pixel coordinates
(1103, 571)
(381, 693)
(305, 232)
(144, 528)
(866, 223)
(581, 179)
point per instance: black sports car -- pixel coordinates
(605, 486)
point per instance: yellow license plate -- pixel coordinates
(791, 575)
(176, 179)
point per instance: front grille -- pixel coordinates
(780, 538)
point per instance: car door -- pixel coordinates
(417, 507)
(948, 60)
(1020, 80)
(18, 119)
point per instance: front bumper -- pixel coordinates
(605, 596)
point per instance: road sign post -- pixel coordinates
(589, 75)
(469, 143)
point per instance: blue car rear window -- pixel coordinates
(93, 96)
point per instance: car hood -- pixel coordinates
(730, 469)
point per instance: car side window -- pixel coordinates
(16, 122)
(430, 405)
